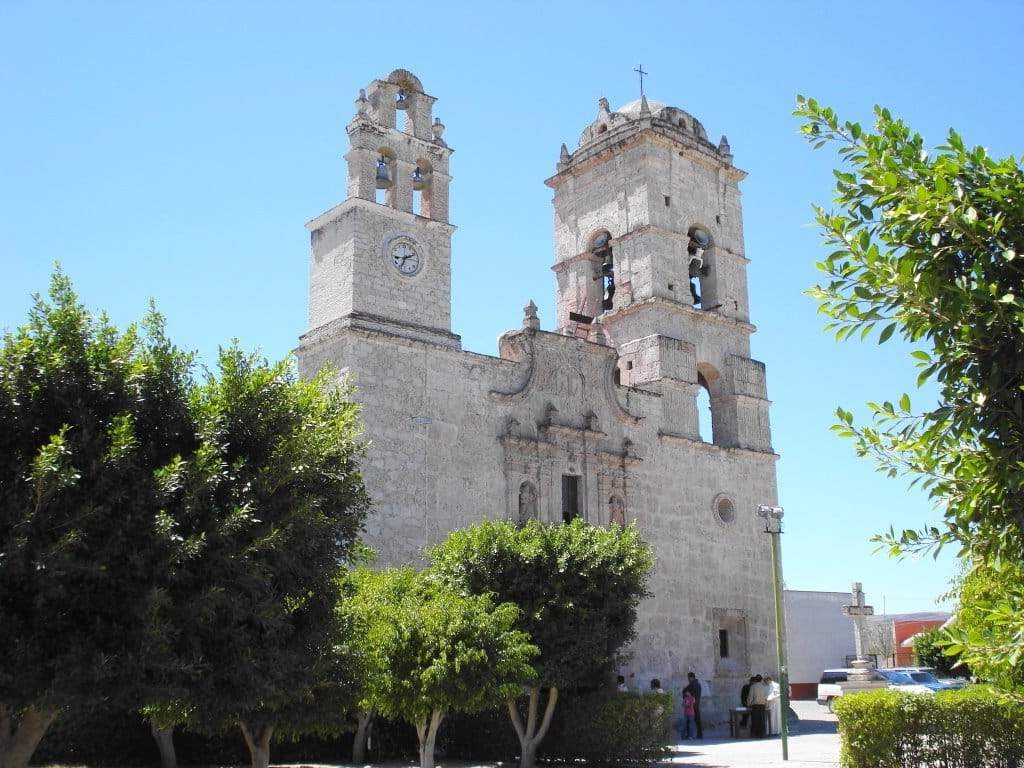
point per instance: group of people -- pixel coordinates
(762, 697)
(688, 723)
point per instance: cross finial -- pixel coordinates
(640, 71)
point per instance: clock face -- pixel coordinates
(405, 257)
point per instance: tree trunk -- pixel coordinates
(258, 743)
(359, 742)
(531, 734)
(529, 754)
(426, 732)
(18, 740)
(164, 738)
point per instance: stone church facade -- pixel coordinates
(597, 419)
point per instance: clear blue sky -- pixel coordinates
(175, 150)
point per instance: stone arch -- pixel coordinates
(403, 78)
(708, 394)
(529, 502)
(408, 92)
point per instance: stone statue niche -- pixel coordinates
(527, 502)
(616, 511)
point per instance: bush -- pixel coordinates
(606, 727)
(978, 727)
(930, 651)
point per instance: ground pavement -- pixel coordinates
(813, 743)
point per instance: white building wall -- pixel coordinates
(818, 635)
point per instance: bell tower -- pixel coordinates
(649, 256)
(381, 260)
(647, 209)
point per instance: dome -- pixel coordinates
(666, 119)
(632, 109)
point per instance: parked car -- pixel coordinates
(829, 688)
(918, 680)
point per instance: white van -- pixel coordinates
(828, 686)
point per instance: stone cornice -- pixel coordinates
(358, 203)
(632, 133)
(363, 124)
(542, 447)
(365, 321)
(671, 437)
(679, 308)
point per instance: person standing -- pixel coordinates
(693, 686)
(744, 696)
(689, 728)
(774, 706)
(620, 684)
(757, 700)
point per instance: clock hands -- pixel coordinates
(406, 259)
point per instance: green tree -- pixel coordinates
(930, 651)
(440, 651)
(578, 588)
(89, 416)
(927, 243)
(267, 508)
(987, 633)
(370, 602)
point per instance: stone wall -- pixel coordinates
(454, 435)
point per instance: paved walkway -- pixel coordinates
(813, 743)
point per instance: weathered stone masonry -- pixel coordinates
(598, 418)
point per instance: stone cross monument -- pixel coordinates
(858, 613)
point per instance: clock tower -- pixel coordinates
(381, 260)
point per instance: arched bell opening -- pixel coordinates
(422, 178)
(407, 92)
(709, 383)
(604, 263)
(384, 180)
(700, 264)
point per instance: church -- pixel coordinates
(597, 418)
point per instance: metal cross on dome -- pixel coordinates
(640, 71)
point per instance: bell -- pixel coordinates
(402, 102)
(383, 179)
(419, 181)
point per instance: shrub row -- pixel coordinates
(598, 726)
(977, 727)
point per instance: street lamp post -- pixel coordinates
(772, 517)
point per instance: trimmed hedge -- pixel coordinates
(607, 727)
(977, 727)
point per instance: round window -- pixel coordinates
(725, 510)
